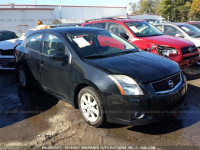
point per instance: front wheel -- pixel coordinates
(91, 107)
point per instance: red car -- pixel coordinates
(149, 38)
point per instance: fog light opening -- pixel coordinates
(139, 115)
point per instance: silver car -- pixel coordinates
(8, 41)
(182, 30)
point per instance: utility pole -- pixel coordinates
(35, 2)
(60, 10)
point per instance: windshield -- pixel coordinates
(196, 25)
(7, 36)
(98, 44)
(190, 30)
(143, 29)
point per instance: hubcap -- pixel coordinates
(22, 77)
(89, 107)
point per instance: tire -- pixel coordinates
(22, 79)
(91, 107)
(198, 63)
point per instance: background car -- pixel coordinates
(149, 38)
(8, 41)
(103, 75)
(194, 23)
(182, 30)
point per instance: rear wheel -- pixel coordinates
(22, 77)
(91, 107)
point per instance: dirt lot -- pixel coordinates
(30, 119)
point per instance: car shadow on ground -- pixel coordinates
(192, 72)
(17, 104)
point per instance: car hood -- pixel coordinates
(168, 40)
(196, 41)
(9, 44)
(144, 67)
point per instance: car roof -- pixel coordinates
(173, 23)
(71, 29)
(193, 22)
(114, 20)
(3, 31)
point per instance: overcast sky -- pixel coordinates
(72, 2)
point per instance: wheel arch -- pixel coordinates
(78, 89)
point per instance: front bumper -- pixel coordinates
(123, 109)
(7, 62)
(186, 60)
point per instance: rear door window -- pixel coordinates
(34, 42)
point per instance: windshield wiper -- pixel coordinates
(156, 34)
(123, 52)
(150, 35)
(108, 55)
(95, 56)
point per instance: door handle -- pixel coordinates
(41, 63)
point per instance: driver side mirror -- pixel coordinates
(59, 57)
(179, 35)
(124, 35)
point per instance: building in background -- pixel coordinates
(19, 18)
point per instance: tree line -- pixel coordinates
(174, 10)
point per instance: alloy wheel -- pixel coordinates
(89, 107)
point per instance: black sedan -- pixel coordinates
(106, 77)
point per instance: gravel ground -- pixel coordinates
(32, 119)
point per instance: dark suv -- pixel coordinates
(149, 38)
(104, 76)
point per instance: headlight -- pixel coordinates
(126, 85)
(166, 52)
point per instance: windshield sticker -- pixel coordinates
(186, 29)
(81, 42)
(134, 29)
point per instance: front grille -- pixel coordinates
(7, 63)
(163, 85)
(188, 49)
(7, 52)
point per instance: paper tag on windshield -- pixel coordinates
(81, 42)
(134, 29)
